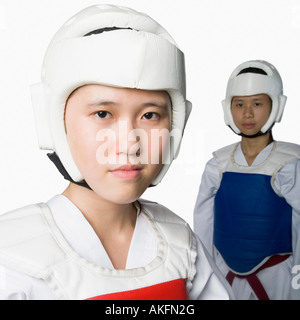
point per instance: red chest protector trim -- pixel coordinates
(171, 290)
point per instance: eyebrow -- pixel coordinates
(101, 103)
(113, 103)
(242, 99)
(155, 104)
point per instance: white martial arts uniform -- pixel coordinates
(144, 249)
(277, 279)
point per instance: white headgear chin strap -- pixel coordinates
(249, 83)
(136, 53)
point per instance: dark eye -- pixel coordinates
(150, 116)
(237, 104)
(103, 114)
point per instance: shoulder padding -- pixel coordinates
(171, 224)
(24, 236)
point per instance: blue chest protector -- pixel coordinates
(251, 222)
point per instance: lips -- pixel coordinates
(248, 125)
(127, 172)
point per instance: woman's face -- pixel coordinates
(117, 137)
(250, 113)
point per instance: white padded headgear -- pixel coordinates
(247, 84)
(140, 54)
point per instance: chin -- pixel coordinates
(119, 192)
(127, 197)
(118, 195)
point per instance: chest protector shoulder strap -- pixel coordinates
(251, 221)
(31, 243)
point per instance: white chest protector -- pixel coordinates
(281, 154)
(30, 242)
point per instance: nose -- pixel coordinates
(128, 138)
(122, 143)
(248, 111)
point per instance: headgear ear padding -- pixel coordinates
(248, 84)
(139, 54)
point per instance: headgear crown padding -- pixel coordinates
(247, 84)
(140, 54)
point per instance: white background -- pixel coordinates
(215, 35)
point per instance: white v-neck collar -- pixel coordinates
(82, 238)
(240, 158)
